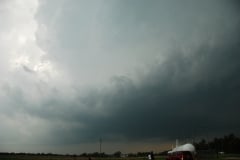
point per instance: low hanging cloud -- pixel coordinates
(179, 104)
(190, 91)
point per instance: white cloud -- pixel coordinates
(23, 61)
(28, 77)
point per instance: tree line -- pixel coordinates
(227, 144)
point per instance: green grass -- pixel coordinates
(46, 157)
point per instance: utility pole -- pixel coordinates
(100, 145)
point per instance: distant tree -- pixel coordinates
(163, 153)
(202, 145)
(84, 155)
(228, 144)
(117, 154)
(142, 154)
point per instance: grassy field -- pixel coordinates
(45, 157)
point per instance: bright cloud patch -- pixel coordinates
(27, 76)
(18, 39)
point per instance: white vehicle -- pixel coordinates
(183, 152)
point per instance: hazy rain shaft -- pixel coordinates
(134, 73)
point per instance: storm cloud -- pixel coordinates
(125, 71)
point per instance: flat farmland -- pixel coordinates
(63, 157)
(57, 157)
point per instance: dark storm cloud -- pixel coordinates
(195, 90)
(183, 97)
(158, 110)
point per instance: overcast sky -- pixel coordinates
(139, 74)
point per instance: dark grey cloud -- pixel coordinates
(183, 97)
(192, 90)
(165, 109)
